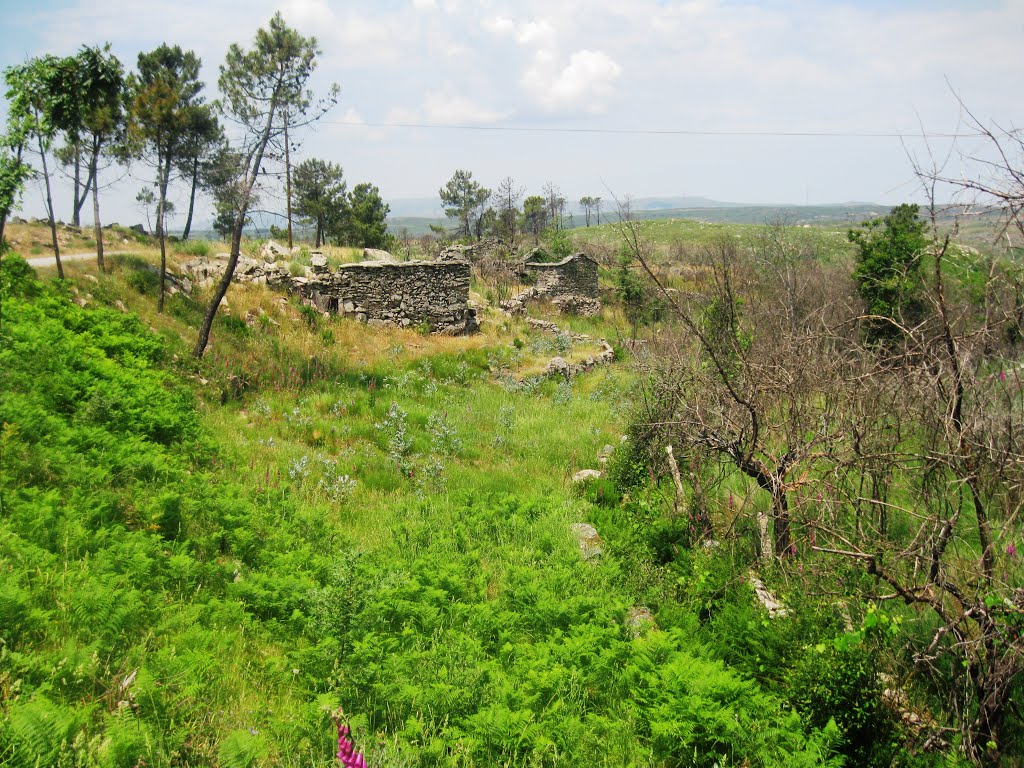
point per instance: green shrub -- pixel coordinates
(844, 686)
(198, 248)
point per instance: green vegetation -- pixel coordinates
(888, 271)
(202, 560)
(355, 546)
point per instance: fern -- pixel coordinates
(242, 749)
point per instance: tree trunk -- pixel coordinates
(165, 172)
(96, 207)
(192, 198)
(49, 200)
(76, 217)
(236, 238)
(780, 511)
(288, 180)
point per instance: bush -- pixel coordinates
(198, 248)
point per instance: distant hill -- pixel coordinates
(843, 213)
(675, 203)
(416, 207)
(416, 215)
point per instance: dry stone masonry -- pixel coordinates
(409, 293)
(574, 275)
(569, 284)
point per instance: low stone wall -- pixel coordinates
(407, 293)
(572, 276)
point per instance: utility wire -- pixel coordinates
(659, 131)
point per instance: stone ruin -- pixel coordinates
(569, 284)
(574, 275)
(404, 294)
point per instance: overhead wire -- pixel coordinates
(659, 131)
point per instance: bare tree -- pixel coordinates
(257, 84)
(555, 203)
(761, 403)
(507, 198)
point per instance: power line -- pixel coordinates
(659, 131)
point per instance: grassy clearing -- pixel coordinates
(673, 238)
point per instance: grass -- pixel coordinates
(674, 237)
(380, 518)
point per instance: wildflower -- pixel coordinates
(346, 749)
(1011, 551)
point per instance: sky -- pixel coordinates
(601, 97)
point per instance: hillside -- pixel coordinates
(203, 561)
(319, 515)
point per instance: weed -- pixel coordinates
(445, 440)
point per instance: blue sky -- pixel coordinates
(694, 65)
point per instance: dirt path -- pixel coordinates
(50, 261)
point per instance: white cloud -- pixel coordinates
(539, 33)
(424, 5)
(402, 116)
(309, 16)
(585, 84)
(446, 107)
(352, 117)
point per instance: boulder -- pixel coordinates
(376, 254)
(586, 474)
(557, 365)
(588, 539)
(639, 621)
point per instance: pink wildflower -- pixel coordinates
(346, 749)
(1011, 551)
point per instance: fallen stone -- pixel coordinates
(586, 474)
(640, 621)
(377, 254)
(556, 365)
(588, 539)
(775, 608)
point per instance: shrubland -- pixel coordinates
(202, 560)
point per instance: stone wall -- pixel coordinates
(404, 293)
(407, 293)
(575, 275)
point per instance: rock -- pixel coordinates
(120, 305)
(91, 278)
(639, 621)
(767, 599)
(586, 474)
(138, 228)
(456, 253)
(578, 305)
(272, 251)
(376, 254)
(557, 365)
(318, 263)
(588, 539)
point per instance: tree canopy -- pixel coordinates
(888, 271)
(320, 194)
(259, 84)
(463, 200)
